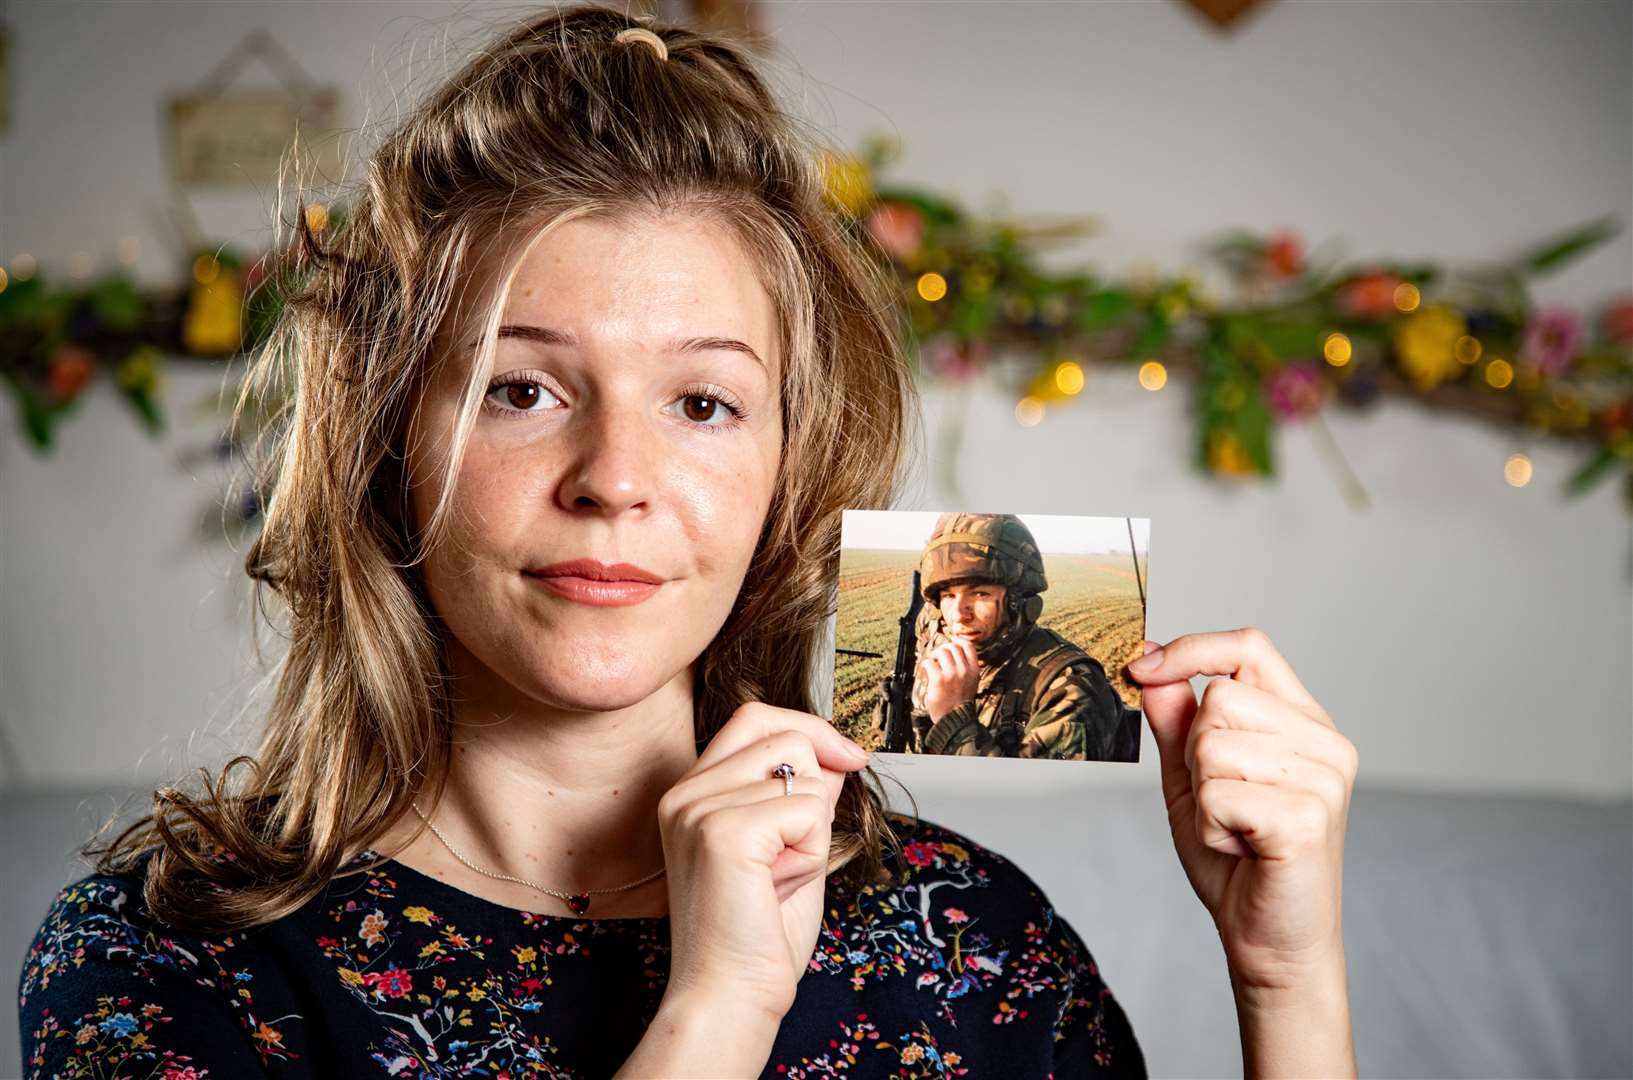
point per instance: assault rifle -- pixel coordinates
(896, 689)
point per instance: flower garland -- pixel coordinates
(1302, 334)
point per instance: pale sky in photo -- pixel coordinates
(1067, 534)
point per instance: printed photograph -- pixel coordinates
(992, 635)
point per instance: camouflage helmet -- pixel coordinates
(981, 547)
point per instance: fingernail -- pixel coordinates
(1149, 662)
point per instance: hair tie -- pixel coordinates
(642, 34)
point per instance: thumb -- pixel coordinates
(1169, 709)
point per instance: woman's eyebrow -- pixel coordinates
(547, 336)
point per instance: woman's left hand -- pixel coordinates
(1257, 780)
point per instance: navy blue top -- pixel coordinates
(962, 969)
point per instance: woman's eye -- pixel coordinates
(709, 410)
(519, 395)
(700, 408)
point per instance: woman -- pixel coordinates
(580, 389)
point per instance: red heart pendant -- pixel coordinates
(579, 903)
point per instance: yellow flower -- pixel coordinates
(1426, 344)
(526, 955)
(846, 182)
(476, 993)
(912, 1053)
(955, 851)
(432, 949)
(140, 370)
(422, 915)
(1227, 456)
(350, 977)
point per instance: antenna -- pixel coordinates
(1134, 551)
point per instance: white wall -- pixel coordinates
(1464, 633)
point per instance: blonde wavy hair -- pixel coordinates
(563, 115)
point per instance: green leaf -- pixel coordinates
(1255, 422)
(972, 319)
(1291, 339)
(34, 413)
(1151, 336)
(1591, 472)
(146, 408)
(1106, 308)
(117, 305)
(1556, 252)
(1236, 242)
(22, 301)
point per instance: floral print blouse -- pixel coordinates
(963, 968)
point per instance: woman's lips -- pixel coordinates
(596, 593)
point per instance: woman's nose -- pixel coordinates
(611, 462)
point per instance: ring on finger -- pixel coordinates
(786, 771)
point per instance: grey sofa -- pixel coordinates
(1486, 936)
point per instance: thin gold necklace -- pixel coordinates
(579, 902)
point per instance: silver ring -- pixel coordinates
(786, 771)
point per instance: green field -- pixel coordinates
(1092, 599)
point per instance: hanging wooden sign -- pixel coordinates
(237, 138)
(1222, 13)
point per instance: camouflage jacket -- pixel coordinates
(1049, 699)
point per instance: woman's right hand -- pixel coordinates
(748, 864)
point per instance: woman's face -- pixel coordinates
(633, 416)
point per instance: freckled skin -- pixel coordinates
(607, 449)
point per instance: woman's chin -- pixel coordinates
(591, 688)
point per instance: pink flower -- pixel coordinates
(955, 915)
(946, 358)
(1551, 339)
(1296, 391)
(897, 228)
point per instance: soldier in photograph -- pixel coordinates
(989, 680)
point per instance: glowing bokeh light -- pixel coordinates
(1337, 349)
(1028, 411)
(932, 286)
